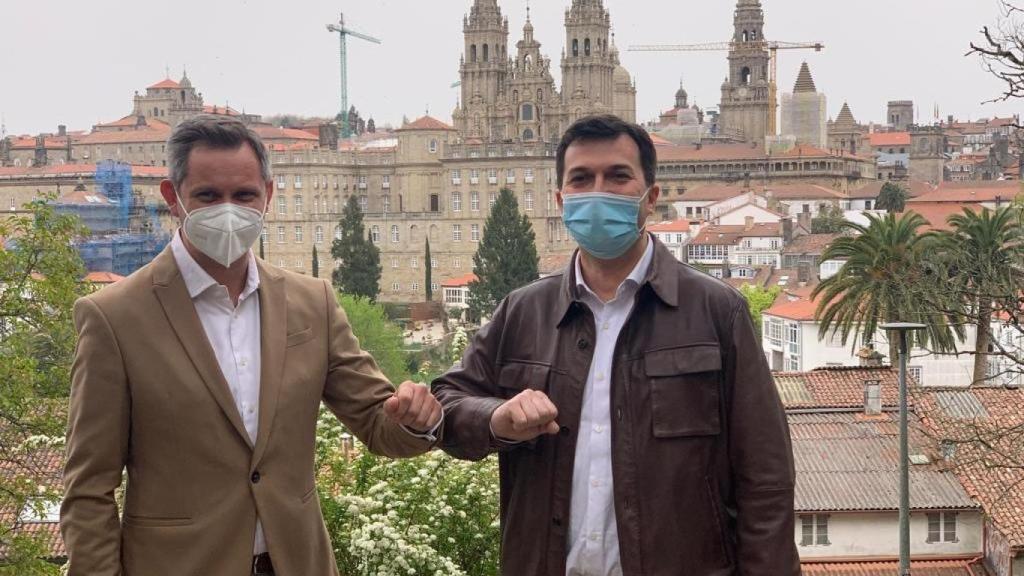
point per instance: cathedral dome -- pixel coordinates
(621, 77)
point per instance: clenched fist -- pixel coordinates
(414, 407)
(526, 416)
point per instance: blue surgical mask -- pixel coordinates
(604, 225)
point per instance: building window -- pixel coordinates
(364, 203)
(456, 233)
(298, 205)
(457, 263)
(385, 181)
(319, 234)
(415, 287)
(814, 530)
(917, 373)
(375, 234)
(474, 176)
(435, 287)
(386, 201)
(492, 175)
(474, 232)
(414, 263)
(942, 527)
(528, 201)
(280, 234)
(456, 201)
(263, 235)
(793, 364)
(298, 234)
(298, 182)
(492, 199)
(474, 201)
(282, 205)
(526, 113)
(300, 263)
(396, 287)
(394, 263)
(433, 146)
(280, 182)
(435, 203)
(793, 337)
(394, 234)
(456, 177)
(433, 262)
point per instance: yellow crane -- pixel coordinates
(771, 46)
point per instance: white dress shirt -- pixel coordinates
(234, 333)
(593, 536)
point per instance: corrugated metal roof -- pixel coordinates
(845, 462)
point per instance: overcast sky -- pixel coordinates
(77, 63)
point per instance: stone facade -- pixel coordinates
(514, 99)
(804, 111)
(746, 99)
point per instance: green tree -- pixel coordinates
(506, 258)
(892, 197)
(358, 270)
(316, 263)
(758, 300)
(429, 271)
(40, 278)
(828, 221)
(377, 335)
(885, 278)
(986, 249)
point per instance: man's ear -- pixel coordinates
(167, 191)
(270, 196)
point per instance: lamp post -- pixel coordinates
(902, 329)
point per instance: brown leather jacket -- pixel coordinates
(701, 458)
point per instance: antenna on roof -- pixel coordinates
(167, 71)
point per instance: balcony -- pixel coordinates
(528, 179)
(362, 185)
(456, 181)
(474, 180)
(492, 179)
(510, 180)
(385, 185)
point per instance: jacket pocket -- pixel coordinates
(300, 337)
(515, 377)
(684, 387)
(146, 521)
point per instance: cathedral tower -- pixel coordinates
(745, 93)
(587, 63)
(484, 65)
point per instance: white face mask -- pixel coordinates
(224, 232)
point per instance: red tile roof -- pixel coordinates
(889, 138)
(799, 309)
(919, 568)
(426, 123)
(980, 191)
(459, 282)
(132, 120)
(938, 213)
(84, 170)
(147, 135)
(972, 418)
(835, 387)
(680, 225)
(810, 244)
(729, 234)
(270, 133)
(165, 83)
(220, 110)
(102, 277)
(659, 141)
(49, 142)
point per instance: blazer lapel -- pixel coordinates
(273, 325)
(170, 290)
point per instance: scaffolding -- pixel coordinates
(124, 232)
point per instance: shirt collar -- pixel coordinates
(635, 278)
(198, 280)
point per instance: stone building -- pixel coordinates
(514, 98)
(804, 111)
(900, 115)
(746, 106)
(846, 135)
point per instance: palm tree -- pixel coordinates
(986, 249)
(885, 272)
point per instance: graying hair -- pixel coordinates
(218, 132)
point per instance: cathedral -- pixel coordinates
(513, 98)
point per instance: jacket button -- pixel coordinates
(582, 344)
(563, 431)
(618, 413)
(256, 477)
(556, 521)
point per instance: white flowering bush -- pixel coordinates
(426, 516)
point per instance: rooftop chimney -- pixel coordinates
(804, 219)
(873, 397)
(787, 230)
(748, 223)
(803, 272)
(62, 130)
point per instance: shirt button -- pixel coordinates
(604, 326)
(243, 362)
(598, 428)
(255, 477)
(582, 344)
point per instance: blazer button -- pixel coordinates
(563, 431)
(256, 477)
(582, 344)
(556, 521)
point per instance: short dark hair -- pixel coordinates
(608, 127)
(219, 132)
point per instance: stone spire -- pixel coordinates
(804, 81)
(845, 117)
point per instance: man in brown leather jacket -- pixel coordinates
(638, 427)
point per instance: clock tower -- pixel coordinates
(745, 106)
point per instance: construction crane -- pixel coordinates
(343, 32)
(772, 47)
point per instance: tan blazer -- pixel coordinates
(147, 395)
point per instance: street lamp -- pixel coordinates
(903, 328)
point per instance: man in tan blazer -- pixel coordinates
(202, 374)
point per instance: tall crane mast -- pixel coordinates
(344, 32)
(772, 47)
